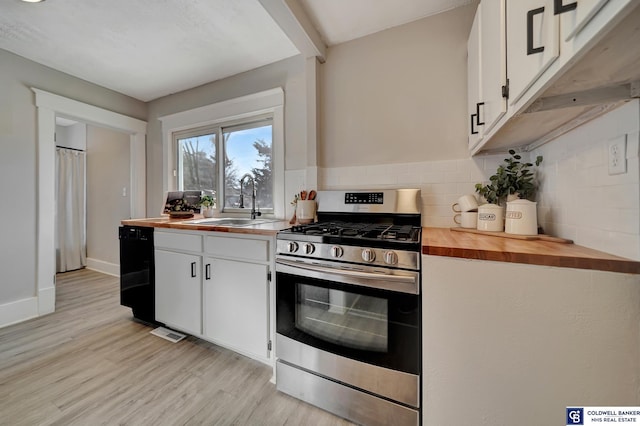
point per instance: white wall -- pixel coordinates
(108, 162)
(18, 167)
(73, 136)
(512, 344)
(579, 199)
(397, 96)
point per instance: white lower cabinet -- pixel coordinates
(216, 287)
(179, 290)
(236, 301)
(502, 339)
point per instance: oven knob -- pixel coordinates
(336, 251)
(368, 255)
(292, 247)
(308, 248)
(390, 258)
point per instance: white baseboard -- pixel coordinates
(18, 311)
(104, 267)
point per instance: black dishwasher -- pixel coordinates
(137, 272)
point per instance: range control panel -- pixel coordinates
(364, 198)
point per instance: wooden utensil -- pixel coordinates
(303, 195)
(312, 194)
(295, 206)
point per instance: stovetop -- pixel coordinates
(380, 227)
(363, 234)
(360, 231)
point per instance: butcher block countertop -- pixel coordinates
(444, 242)
(269, 228)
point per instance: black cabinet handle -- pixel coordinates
(478, 104)
(530, 14)
(473, 122)
(193, 269)
(559, 8)
(207, 271)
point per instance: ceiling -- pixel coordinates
(339, 21)
(147, 49)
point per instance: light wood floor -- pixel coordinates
(89, 363)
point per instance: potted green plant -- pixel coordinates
(513, 178)
(207, 204)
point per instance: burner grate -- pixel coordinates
(385, 231)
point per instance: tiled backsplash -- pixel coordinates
(579, 199)
(441, 182)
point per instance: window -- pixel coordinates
(246, 147)
(232, 117)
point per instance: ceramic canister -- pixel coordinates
(521, 218)
(490, 218)
(305, 211)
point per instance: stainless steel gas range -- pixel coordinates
(348, 307)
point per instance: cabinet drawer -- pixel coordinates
(178, 241)
(237, 248)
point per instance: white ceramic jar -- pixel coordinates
(521, 218)
(490, 218)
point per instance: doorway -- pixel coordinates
(92, 202)
(50, 106)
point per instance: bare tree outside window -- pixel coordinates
(247, 149)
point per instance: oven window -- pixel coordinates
(347, 319)
(374, 326)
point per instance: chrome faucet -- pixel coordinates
(254, 213)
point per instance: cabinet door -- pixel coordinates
(493, 61)
(576, 14)
(236, 305)
(178, 290)
(474, 79)
(533, 43)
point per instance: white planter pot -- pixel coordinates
(208, 211)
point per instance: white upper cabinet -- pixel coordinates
(487, 69)
(493, 62)
(474, 81)
(539, 68)
(533, 40)
(576, 14)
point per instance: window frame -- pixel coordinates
(189, 133)
(237, 109)
(219, 130)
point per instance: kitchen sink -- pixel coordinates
(231, 221)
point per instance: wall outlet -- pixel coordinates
(617, 149)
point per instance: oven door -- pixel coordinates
(365, 314)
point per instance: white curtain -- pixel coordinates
(71, 234)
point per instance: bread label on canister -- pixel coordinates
(486, 216)
(514, 215)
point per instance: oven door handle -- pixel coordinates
(402, 283)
